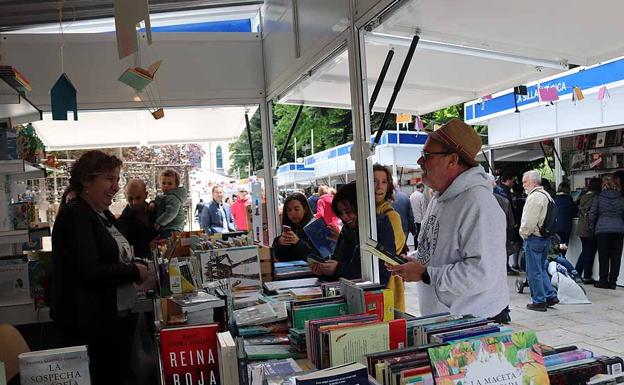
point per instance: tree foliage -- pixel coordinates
(331, 127)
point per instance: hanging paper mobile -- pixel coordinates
(142, 81)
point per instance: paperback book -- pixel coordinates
(54, 366)
(320, 235)
(189, 355)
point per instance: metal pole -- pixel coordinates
(559, 172)
(397, 88)
(312, 140)
(268, 151)
(380, 80)
(253, 161)
(292, 129)
(359, 152)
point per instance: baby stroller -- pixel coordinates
(554, 254)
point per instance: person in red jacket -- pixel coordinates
(239, 210)
(324, 207)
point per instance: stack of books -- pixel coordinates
(291, 270)
(15, 78)
(277, 287)
(198, 307)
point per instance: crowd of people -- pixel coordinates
(465, 228)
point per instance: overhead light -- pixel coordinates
(382, 38)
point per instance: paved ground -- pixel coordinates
(598, 327)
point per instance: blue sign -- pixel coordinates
(590, 77)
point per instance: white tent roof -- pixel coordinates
(470, 49)
(121, 128)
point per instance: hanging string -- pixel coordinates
(62, 35)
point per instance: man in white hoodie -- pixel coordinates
(460, 261)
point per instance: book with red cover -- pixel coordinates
(189, 355)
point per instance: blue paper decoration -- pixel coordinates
(63, 98)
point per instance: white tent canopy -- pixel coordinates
(469, 50)
(121, 128)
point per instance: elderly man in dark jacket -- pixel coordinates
(607, 219)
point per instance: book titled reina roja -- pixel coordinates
(189, 355)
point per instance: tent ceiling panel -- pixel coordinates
(120, 128)
(197, 69)
(435, 79)
(524, 41)
(575, 30)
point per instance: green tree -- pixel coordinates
(240, 155)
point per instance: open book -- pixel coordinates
(319, 234)
(377, 249)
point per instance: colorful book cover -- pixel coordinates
(189, 355)
(55, 366)
(511, 359)
(319, 234)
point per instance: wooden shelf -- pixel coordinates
(13, 236)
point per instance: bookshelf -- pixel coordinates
(594, 160)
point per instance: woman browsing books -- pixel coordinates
(345, 262)
(389, 230)
(93, 274)
(293, 244)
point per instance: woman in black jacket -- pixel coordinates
(293, 243)
(345, 262)
(93, 271)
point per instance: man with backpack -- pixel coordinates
(536, 229)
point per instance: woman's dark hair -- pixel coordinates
(595, 184)
(90, 165)
(172, 174)
(390, 193)
(307, 216)
(346, 193)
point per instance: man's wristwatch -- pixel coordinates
(426, 278)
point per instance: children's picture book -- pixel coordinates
(319, 234)
(54, 366)
(513, 359)
(189, 355)
(241, 265)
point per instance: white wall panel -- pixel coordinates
(320, 24)
(197, 69)
(614, 107)
(504, 129)
(538, 122)
(582, 115)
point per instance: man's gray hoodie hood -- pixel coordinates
(462, 242)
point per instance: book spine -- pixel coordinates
(243, 375)
(398, 333)
(566, 357)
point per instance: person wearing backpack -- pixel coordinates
(536, 229)
(606, 217)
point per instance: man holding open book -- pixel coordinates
(460, 259)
